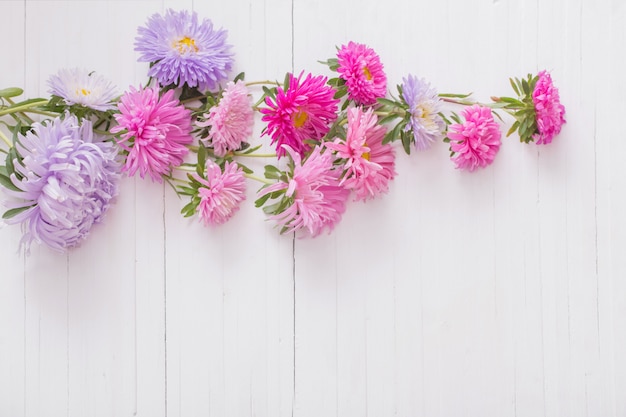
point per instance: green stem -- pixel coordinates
(6, 140)
(251, 83)
(22, 108)
(254, 177)
(186, 168)
(102, 132)
(41, 112)
(389, 113)
(255, 155)
(458, 101)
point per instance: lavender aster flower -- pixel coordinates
(78, 86)
(66, 177)
(425, 123)
(184, 51)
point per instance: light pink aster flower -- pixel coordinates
(363, 73)
(155, 131)
(231, 120)
(222, 192)
(476, 141)
(369, 164)
(317, 201)
(548, 108)
(303, 111)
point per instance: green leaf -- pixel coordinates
(385, 101)
(241, 76)
(187, 190)
(269, 93)
(511, 100)
(340, 93)
(189, 210)
(245, 168)
(388, 119)
(6, 183)
(272, 173)
(201, 159)
(512, 129)
(514, 87)
(406, 143)
(286, 82)
(11, 92)
(261, 200)
(525, 87)
(14, 212)
(449, 95)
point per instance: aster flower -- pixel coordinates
(362, 71)
(312, 199)
(64, 180)
(231, 120)
(538, 111)
(424, 105)
(155, 131)
(476, 141)
(78, 86)
(302, 111)
(184, 50)
(369, 165)
(220, 193)
(549, 110)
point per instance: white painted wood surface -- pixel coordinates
(496, 293)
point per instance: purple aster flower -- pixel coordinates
(67, 177)
(425, 123)
(184, 51)
(79, 86)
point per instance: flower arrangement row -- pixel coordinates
(332, 139)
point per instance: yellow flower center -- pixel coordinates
(425, 112)
(365, 155)
(300, 118)
(186, 44)
(83, 91)
(367, 73)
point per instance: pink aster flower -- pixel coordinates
(476, 141)
(155, 131)
(231, 120)
(369, 164)
(548, 108)
(222, 192)
(316, 199)
(303, 111)
(361, 69)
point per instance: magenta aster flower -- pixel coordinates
(301, 112)
(78, 86)
(231, 120)
(316, 200)
(548, 108)
(425, 123)
(155, 131)
(184, 51)
(369, 164)
(361, 69)
(476, 141)
(222, 192)
(66, 177)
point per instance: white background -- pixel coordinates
(496, 293)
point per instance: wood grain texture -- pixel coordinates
(499, 292)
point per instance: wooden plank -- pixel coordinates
(12, 304)
(229, 288)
